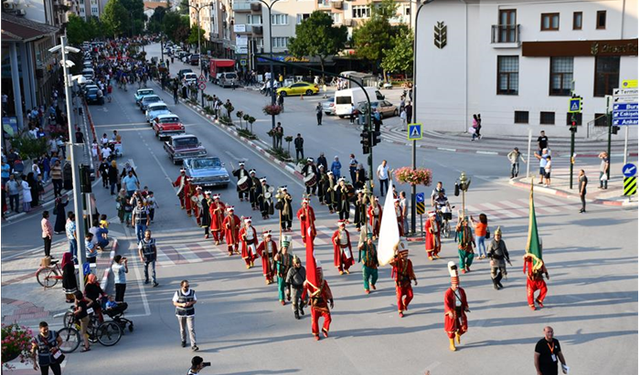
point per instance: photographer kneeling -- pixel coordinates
(197, 364)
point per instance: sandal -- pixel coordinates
(85, 349)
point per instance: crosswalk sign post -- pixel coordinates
(575, 105)
(420, 207)
(414, 132)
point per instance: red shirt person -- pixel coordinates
(455, 308)
(375, 216)
(342, 252)
(402, 273)
(231, 225)
(320, 299)
(432, 236)
(216, 211)
(182, 184)
(307, 218)
(535, 282)
(268, 249)
(249, 238)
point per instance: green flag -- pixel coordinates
(533, 241)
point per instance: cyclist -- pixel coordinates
(434, 193)
(443, 208)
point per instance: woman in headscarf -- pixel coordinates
(61, 214)
(121, 201)
(69, 280)
(94, 293)
(31, 180)
(361, 177)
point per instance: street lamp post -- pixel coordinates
(414, 111)
(273, 92)
(463, 184)
(75, 175)
(198, 8)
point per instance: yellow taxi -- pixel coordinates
(298, 88)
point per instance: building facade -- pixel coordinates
(216, 19)
(517, 63)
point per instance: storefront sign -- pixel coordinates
(620, 47)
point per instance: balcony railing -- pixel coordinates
(256, 30)
(505, 35)
(241, 7)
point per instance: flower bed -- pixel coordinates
(16, 343)
(272, 110)
(419, 176)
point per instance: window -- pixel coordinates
(507, 75)
(561, 81)
(550, 22)
(279, 19)
(607, 75)
(254, 19)
(280, 42)
(302, 17)
(521, 117)
(576, 116)
(601, 20)
(94, 10)
(323, 4)
(336, 17)
(600, 119)
(577, 20)
(361, 11)
(507, 32)
(547, 118)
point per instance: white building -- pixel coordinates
(518, 62)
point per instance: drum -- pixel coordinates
(269, 192)
(310, 180)
(243, 183)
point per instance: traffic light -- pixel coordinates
(85, 179)
(614, 129)
(581, 101)
(377, 137)
(573, 127)
(365, 140)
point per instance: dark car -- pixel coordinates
(193, 59)
(93, 95)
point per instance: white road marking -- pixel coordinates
(235, 158)
(136, 269)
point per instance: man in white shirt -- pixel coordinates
(184, 299)
(383, 177)
(106, 153)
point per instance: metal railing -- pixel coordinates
(597, 128)
(505, 34)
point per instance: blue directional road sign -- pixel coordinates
(625, 114)
(420, 196)
(629, 170)
(574, 105)
(414, 132)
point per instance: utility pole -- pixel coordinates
(609, 125)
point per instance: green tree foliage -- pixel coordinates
(155, 21)
(399, 59)
(193, 35)
(316, 36)
(176, 26)
(183, 8)
(115, 19)
(376, 35)
(77, 30)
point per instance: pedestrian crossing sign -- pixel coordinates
(575, 105)
(414, 132)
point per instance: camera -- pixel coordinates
(206, 364)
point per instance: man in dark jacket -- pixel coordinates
(299, 143)
(295, 279)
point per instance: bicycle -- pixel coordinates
(48, 275)
(106, 333)
(445, 217)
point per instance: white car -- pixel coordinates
(190, 78)
(156, 109)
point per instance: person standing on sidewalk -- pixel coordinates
(299, 143)
(604, 170)
(26, 195)
(582, 188)
(547, 172)
(279, 133)
(543, 156)
(383, 177)
(319, 113)
(70, 228)
(148, 254)
(514, 158)
(120, 269)
(184, 300)
(47, 233)
(543, 141)
(13, 189)
(547, 353)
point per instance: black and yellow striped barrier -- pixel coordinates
(630, 185)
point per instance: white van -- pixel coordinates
(345, 98)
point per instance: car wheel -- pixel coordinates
(309, 92)
(341, 116)
(283, 93)
(395, 113)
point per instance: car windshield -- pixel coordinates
(343, 100)
(206, 163)
(169, 120)
(145, 92)
(160, 108)
(150, 99)
(188, 142)
(230, 75)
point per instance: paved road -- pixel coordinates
(242, 329)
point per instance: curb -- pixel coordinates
(564, 194)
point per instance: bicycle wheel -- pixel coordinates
(47, 277)
(108, 333)
(70, 339)
(69, 319)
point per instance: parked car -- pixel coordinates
(299, 88)
(88, 87)
(228, 79)
(185, 146)
(194, 58)
(190, 78)
(92, 95)
(167, 125)
(148, 99)
(328, 107)
(141, 93)
(156, 109)
(207, 171)
(182, 72)
(386, 108)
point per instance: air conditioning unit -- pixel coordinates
(8, 6)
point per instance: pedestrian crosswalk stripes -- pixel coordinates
(518, 208)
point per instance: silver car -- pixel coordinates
(206, 171)
(329, 107)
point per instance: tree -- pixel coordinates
(176, 26)
(193, 35)
(115, 18)
(399, 59)
(316, 36)
(156, 19)
(376, 35)
(77, 30)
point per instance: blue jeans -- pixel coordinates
(153, 271)
(384, 186)
(140, 229)
(480, 247)
(73, 248)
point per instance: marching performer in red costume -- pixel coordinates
(196, 201)
(320, 299)
(216, 211)
(342, 253)
(432, 238)
(268, 249)
(535, 281)
(183, 186)
(231, 225)
(249, 238)
(375, 216)
(306, 211)
(455, 308)
(402, 273)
